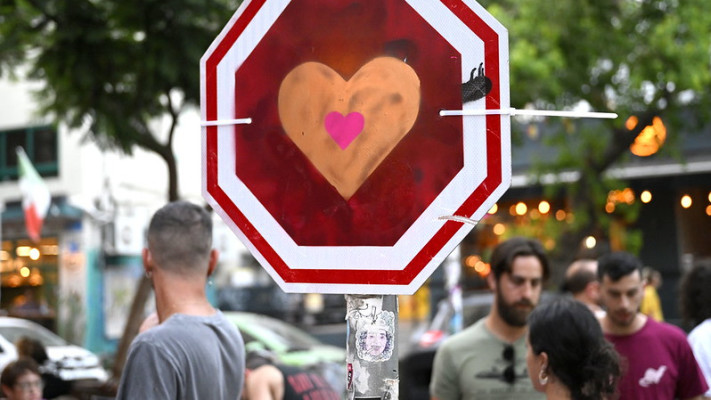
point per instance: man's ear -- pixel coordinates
(147, 262)
(491, 280)
(214, 256)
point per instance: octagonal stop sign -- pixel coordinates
(347, 179)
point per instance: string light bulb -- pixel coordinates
(521, 208)
(494, 209)
(686, 201)
(34, 254)
(590, 242)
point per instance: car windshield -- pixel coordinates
(278, 333)
(47, 338)
(474, 307)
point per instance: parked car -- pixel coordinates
(265, 300)
(322, 309)
(416, 365)
(73, 363)
(291, 345)
(301, 309)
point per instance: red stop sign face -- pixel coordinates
(348, 180)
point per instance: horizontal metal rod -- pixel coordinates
(544, 113)
(239, 121)
(468, 113)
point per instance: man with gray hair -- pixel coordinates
(194, 352)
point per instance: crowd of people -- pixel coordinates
(33, 375)
(594, 344)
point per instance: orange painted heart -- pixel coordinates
(347, 128)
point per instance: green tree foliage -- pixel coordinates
(114, 66)
(634, 57)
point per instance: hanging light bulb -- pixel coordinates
(590, 242)
(521, 208)
(34, 254)
(686, 201)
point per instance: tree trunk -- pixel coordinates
(143, 291)
(133, 322)
(172, 177)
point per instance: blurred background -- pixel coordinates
(103, 97)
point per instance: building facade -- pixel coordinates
(79, 279)
(671, 194)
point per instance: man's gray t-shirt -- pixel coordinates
(185, 357)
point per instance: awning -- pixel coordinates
(59, 208)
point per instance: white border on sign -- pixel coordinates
(415, 238)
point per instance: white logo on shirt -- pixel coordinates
(652, 376)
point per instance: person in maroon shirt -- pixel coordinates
(658, 359)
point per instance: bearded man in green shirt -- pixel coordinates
(488, 359)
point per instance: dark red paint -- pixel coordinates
(345, 36)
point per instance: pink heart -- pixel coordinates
(344, 129)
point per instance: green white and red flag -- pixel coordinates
(35, 195)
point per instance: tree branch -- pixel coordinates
(174, 113)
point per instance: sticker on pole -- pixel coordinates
(323, 145)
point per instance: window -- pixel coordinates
(40, 144)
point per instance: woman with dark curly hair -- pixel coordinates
(568, 356)
(696, 311)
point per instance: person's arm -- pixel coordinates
(147, 375)
(264, 383)
(150, 322)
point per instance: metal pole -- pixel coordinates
(453, 271)
(371, 348)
